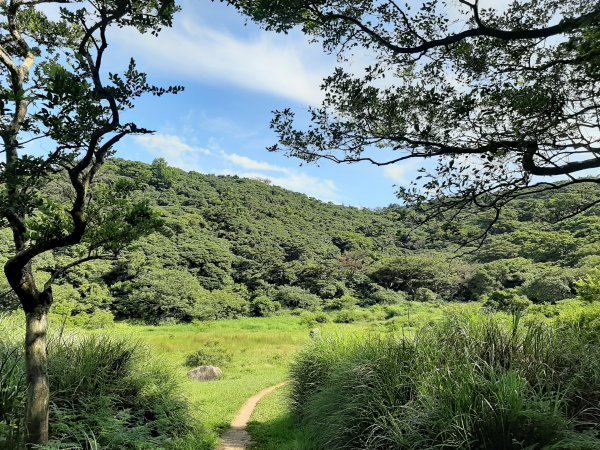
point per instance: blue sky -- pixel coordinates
(235, 74)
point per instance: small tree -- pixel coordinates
(54, 90)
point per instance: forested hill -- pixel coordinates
(234, 246)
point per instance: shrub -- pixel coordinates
(107, 393)
(158, 294)
(296, 297)
(465, 382)
(384, 296)
(508, 301)
(263, 306)
(588, 288)
(351, 315)
(425, 295)
(344, 302)
(212, 354)
(221, 304)
(311, 319)
(547, 288)
(481, 283)
(412, 271)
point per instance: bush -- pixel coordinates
(463, 383)
(297, 298)
(508, 301)
(425, 295)
(263, 306)
(311, 319)
(588, 288)
(344, 302)
(384, 296)
(481, 283)
(212, 354)
(106, 393)
(221, 304)
(547, 288)
(158, 294)
(352, 315)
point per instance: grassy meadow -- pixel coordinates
(259, 354)
(350, 379)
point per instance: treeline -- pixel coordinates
(233, 247)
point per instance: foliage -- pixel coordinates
(221, 304)
(423, 294)
(108, 393)
(156, 294)
(465, 382)
(588, 288)
(508, 301)
(232, 234)
(527, 81)
(343, 302)
(295, 297)
(548, 288)
(211, 354)
(263, 306)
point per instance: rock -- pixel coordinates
(205, 373)
(315, 333)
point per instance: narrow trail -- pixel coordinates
(236, 437)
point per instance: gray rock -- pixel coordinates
(315, 333)
(205, 373)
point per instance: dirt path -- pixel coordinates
(237, 438)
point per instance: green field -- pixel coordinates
(261, 348)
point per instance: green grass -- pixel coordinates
(261, 349)
(273, 427)
(469, 381)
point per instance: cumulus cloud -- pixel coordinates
(179, 153)
(174, 149)
(323, 189)
(251, 164)
(265, 62)
(294, 180)
(399, 173)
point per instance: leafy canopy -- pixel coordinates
(498, 100)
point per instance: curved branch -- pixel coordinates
(564, 26)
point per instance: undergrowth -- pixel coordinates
(466, 382)
(106, 393)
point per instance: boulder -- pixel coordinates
(205, 373)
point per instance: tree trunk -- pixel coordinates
(38, 394)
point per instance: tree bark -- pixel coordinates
(38, 393)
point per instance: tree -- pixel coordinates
(501, 101)
(54, 90)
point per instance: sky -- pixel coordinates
(235, 74)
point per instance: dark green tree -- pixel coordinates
(501, 101)
(54, 89)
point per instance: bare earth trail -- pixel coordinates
(237, 438)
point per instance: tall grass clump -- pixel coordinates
(467, 382)
(106, 393)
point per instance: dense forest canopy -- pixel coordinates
(232, 247)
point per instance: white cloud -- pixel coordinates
(399, 173)
(323, 189)
(174, 149)
(294, 180)
(251, 164)
(267, 62)
(179, 153)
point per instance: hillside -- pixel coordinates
(235, 246)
